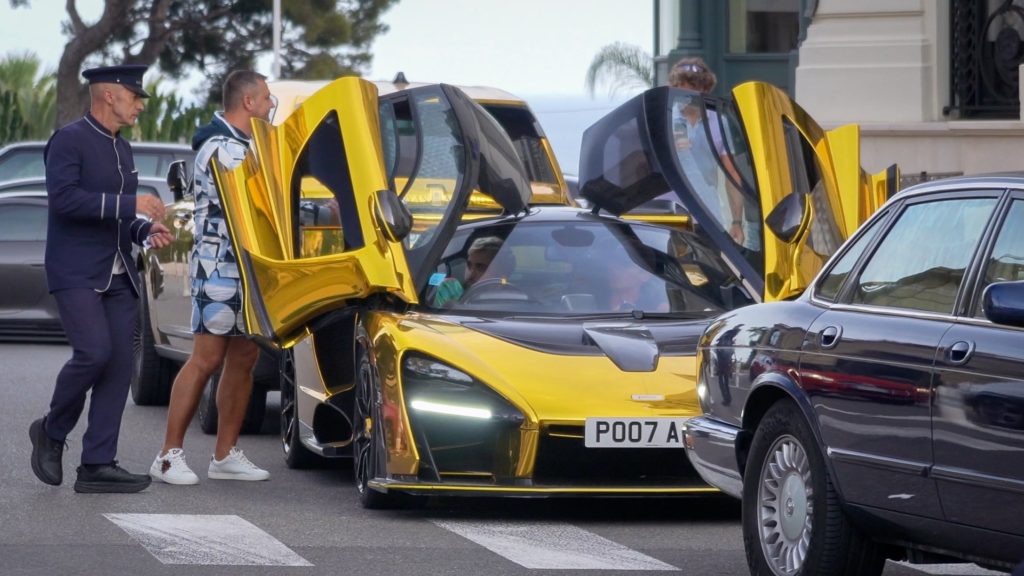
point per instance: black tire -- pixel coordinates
(254, 414)
(151, 375)
(296, 455)
(813, 534)
(368, 448)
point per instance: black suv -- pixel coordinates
(881, 413)
(22, 160)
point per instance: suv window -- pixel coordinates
(22, 164)
(1006, 262)
(22, 222)
(900, 275)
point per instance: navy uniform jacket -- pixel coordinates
(91, 182)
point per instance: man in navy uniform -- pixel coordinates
(91, 183)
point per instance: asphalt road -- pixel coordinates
(309, 522)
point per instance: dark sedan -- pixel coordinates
(27, 310)
(881, 413)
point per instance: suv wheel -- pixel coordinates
(207, 412)
(151, 374)
(793, 522)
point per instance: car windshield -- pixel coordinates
(578, 268)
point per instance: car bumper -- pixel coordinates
(455, 489)
(711, 446)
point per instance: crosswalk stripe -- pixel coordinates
(957, 569)
(226, 540)
(552, 546)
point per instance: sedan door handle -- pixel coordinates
(829, 336)
(960, 352)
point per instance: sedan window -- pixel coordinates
(830, 284)
(1006, 262)
(901, 275)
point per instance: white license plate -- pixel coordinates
(634, 432)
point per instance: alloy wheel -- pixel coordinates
(785, 505)
(363, 442)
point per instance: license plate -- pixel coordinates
(634, 432)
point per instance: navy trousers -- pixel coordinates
(99, 326)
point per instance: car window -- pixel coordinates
(570, 268)
(1006, 262)
(22, 164)
(22, 222)
(901, 275)
(828, 287)
(322, 192)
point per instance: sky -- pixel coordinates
(536, 49)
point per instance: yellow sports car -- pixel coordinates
(528, 350)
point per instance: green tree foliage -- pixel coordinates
(620, 66)
(167, 118)
(321, 39)
(29, 98)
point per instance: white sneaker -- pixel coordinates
(235, 466)
(171, 468)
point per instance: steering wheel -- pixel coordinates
(498, 289)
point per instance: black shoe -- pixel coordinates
(110, 478)
(47, 454)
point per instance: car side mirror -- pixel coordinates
(786, 219)
(392, 215)
(1003, 303)
(177, 180)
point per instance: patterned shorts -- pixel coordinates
(217, 306)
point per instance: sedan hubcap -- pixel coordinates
(785, 506)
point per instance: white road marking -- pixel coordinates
(205, 539)
(552, 546)
(965, 569)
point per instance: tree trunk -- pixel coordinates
(72, 95)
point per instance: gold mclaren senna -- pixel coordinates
(564, 363)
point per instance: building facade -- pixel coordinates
(933, 84)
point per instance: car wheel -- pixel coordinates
(793, 522)
(151, 375)
(368, 450)
(254, 413)
(295, 454)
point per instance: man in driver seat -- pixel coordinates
(485, 260)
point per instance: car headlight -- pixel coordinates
(432, 387)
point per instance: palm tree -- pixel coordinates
(620, 66)
(34, 95)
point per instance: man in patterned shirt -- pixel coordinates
(217, 322)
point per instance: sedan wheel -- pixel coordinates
(785, 505)
(793, 522)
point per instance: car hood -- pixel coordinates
(560, 373)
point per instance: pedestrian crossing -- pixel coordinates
(230, 540)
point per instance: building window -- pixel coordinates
(763, 26)
(986, 49)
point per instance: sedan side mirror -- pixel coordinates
(177, 180)
(1003, 303)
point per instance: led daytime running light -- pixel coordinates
(451, 409)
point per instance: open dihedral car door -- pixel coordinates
(813, 192)
(311, 216)
(775, 193)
